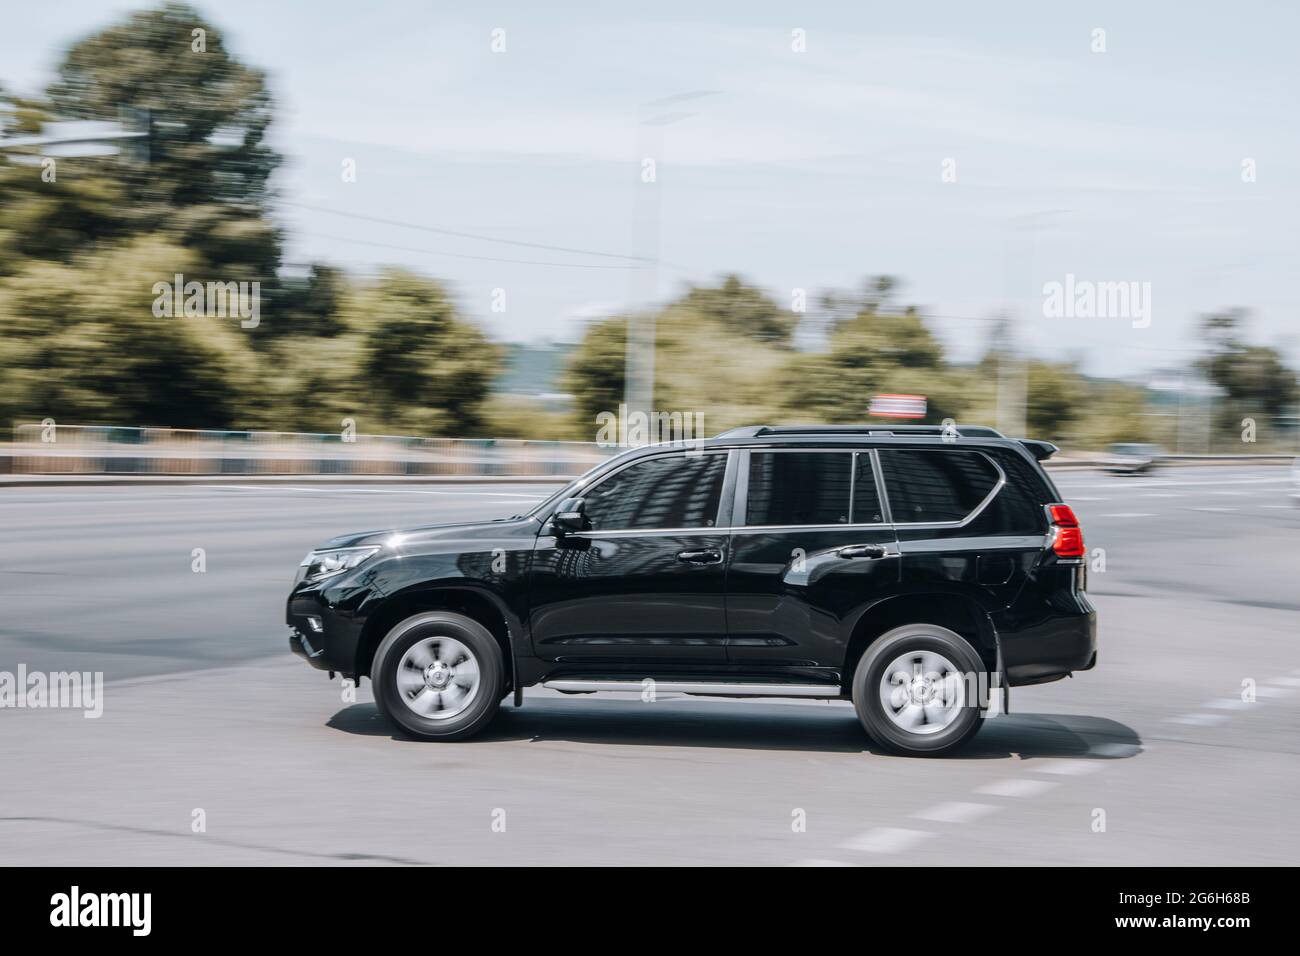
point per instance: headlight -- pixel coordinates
(323, 564)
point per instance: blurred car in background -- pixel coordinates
(1132, 458)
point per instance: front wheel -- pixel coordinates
(916, 690)
(438, 675)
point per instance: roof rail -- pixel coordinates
(967, 431)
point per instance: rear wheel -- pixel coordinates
(438, 675)
(916, 690)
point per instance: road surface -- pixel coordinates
(1152, 758)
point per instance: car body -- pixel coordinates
(763, 562)
(1132, 458)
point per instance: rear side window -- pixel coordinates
(798, 487)
(935, 485)
(679, 491)
(1018, 508)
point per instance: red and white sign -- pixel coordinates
(898, 406)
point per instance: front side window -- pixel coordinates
(798, 488)
(677, 491)
(935, 485)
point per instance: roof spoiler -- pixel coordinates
(1041, 450)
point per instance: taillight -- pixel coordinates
(1067, 539)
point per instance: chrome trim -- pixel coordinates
(979, 509)
(763, 528)
(649, 532)
(705, 688)
(881, 492)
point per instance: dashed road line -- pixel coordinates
(1016, 787)
(1067, 768)
(887, 840)
(1198, 719)
(956, 812)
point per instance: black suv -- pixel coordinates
(915, 571)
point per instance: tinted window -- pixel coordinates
(798, 488)
(866, 501)
(1018, 508)
(935, 485)
(681, 491)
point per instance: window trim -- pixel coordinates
(719, 518)
(971, 516)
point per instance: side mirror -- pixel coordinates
(569, 516)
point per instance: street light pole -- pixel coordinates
(639, 358)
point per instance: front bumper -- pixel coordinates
(323, 634)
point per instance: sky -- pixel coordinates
(978, 152)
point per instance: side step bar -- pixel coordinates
(704, 688)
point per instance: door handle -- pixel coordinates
(863, 551)
(708, 556)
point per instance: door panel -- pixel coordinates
(630, 598)
(789, 592)
(645, 582)
(810, 549)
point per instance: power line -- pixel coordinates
(464, 235)
(464, 255)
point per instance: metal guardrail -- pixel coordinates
(103, 450)
(111, 450)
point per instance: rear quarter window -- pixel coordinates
(930, 485)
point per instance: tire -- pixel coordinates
(896, 712)
(438, 676)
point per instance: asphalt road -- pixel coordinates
(205, 710)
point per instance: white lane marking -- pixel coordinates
(1226, 703)
(1173, 483)
(886, 840)
(1127, 514)
(1066, 768)
(1280, 507)
(1234, 494)
(1115, 750)
(1156, 494)
(1017, 787)
(1266, 691)
(1197, 719)
(376, 491)
(819, 863)
(1285, 681)
(1211, 509)
(956, 812)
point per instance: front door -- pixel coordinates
(644, 585)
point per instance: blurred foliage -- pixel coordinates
(1253, 380)
(82, 249)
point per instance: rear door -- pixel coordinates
(811, 544)
(645, 585)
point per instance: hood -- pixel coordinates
(431, 533)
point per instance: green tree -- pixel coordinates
(1254, 378)
(741, 309)
(424, 368)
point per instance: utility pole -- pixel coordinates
(647, 213)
